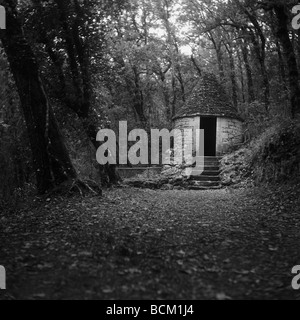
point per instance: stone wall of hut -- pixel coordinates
(229, 132)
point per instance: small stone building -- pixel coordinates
(209, 108)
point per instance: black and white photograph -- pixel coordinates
(150, 153)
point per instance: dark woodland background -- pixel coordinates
(72, 67)
(94, 63)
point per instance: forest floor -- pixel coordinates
(144, 244)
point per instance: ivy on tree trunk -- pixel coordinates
(50, 156)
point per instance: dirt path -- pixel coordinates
(142, 244)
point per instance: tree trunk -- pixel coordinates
(260, 49)
(219, 54)
(242, 77)
(108, 173)
(298, 49)
(50, 156)
(174, 100)
(289, 54)
(79, 63)
(138, 97)
(196, 65)
(220, 63)
(262, 61)
(180, 79)
(251, 93)
(281, 66)
(282, 73)
(233, 76)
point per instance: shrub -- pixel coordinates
(273, 156)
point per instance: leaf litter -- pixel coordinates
(145, 244)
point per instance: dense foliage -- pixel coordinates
(105, 61)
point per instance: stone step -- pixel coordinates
(205, 160)
(205, 184)
(206, 178)
(211, 173)
(211, 168)
(209, 165)
(213, 158)
(196, 188)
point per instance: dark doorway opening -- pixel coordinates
(209, 125)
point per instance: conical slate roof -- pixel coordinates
(208, 99)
